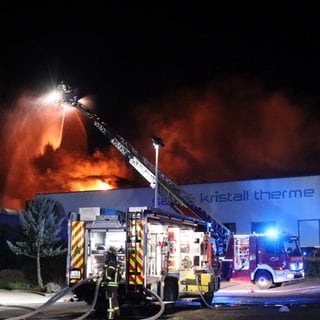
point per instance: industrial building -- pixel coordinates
(287, 205)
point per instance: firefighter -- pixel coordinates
(111, 284)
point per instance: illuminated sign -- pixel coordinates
(260, 194)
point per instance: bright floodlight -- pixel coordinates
(271, 233)
(53, 97)
(63, 95)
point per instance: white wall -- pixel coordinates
(284, 200)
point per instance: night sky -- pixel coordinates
(231, 90)
(129, 54)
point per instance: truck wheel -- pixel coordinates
(170, 294)
(263, 280)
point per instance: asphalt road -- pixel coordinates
(245, 312)
(301, 292)
(233, 301)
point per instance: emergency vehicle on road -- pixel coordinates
(170, 254)
(264, 259)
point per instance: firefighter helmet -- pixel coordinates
(111, 254)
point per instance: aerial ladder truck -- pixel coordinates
(175, 196)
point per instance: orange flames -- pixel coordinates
(228, 131)
(45, 150)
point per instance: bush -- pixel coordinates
(18, 286)
(12, 279)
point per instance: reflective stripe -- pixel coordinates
(115, 308)
(112, 284)
(77, 246)
(136, 249)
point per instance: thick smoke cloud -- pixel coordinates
(230, 130)
(234, 130)
(44, 150)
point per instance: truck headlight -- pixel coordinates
(296, 266)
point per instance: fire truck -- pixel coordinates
(167, 253)
(264, 259)
(266, 271)
(182, 202)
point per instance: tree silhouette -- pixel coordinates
(40, 230)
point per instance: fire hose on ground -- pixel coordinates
(157, 315)
(51, 301)
(65, 291)
(210, 306)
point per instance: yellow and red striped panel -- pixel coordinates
(77, 246)
(136, 253)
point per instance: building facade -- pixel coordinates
(290, 205)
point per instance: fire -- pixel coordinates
(88, 184)
(46, 151)
(230, 130)
(101, 185)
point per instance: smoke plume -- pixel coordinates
(44, 150)
(233, 130)
(230, 130)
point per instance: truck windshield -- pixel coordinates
(292, 247)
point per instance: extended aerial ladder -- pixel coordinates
(176, 197)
